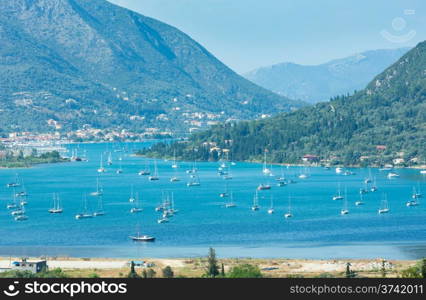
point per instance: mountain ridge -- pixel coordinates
(316, 83)
(106, 66)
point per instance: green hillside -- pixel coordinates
(390, 112)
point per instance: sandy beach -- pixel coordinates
(105, 267)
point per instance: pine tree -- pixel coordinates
(132, 273)
(383, 268)
(212, 267)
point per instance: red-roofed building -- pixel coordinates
(310, 158)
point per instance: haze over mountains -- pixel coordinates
(390, 112)
(76, 62)
(321, 82)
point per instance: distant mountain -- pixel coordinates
(76, 62)
(390, 113)
(321, 82)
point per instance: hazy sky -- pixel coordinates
(246, 34)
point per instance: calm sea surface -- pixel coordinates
(317, 229)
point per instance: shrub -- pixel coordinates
(245, 271)
(168, 272)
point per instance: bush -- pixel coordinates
(55, 273)
(245, 271)
(416, 271)
(168, 272)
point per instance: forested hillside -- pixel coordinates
(389, 113)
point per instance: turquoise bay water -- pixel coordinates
(317, 229)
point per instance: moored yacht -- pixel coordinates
(263, 187)
(231, 203)
(271, 208)
(392, 175)
(56, 207)
(85, 213)
(288, 214)
(255, 205)
(339, 195)
(384, 207)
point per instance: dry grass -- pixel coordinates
(274, 268)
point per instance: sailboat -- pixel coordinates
(136, 208)
(281, 180)
(23, 195)
(175, 177)
(345, 210)
(265, 169)
(85, 214)
(56, 208)
(165, 208)
(15, 183)
(19, 210)
(194, 178)
(174, 165)
(109, 162)
(231, 203)
(271, 208)
(304, 174)
(13, 204)
(384, 207)
(416, 194)
(392, 175)
(172, 209)
(255, 205)
(266, 172)
(99, 191)
(368, 179)
(101, 166)
(21, 216)
(374, 187)
(155, 176)
(227, 174)
(163, 219)
(120, 170)
(288, 214)
(141, 238)
(145, 171)
(224, 194)
(263, 187)
(131, 198)
(363, 190)
(338, 196)
(360, 201)
(413, 202)
(100, 210)
(423, 172)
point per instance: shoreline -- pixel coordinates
(421, 167)
(195, 267)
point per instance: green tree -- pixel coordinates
(424, 268)
(132, 273)
(349, 273)
(222, 271)
(245, 271)
(168, 272)
(212, 267)
(383, 270)
(150, 273)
